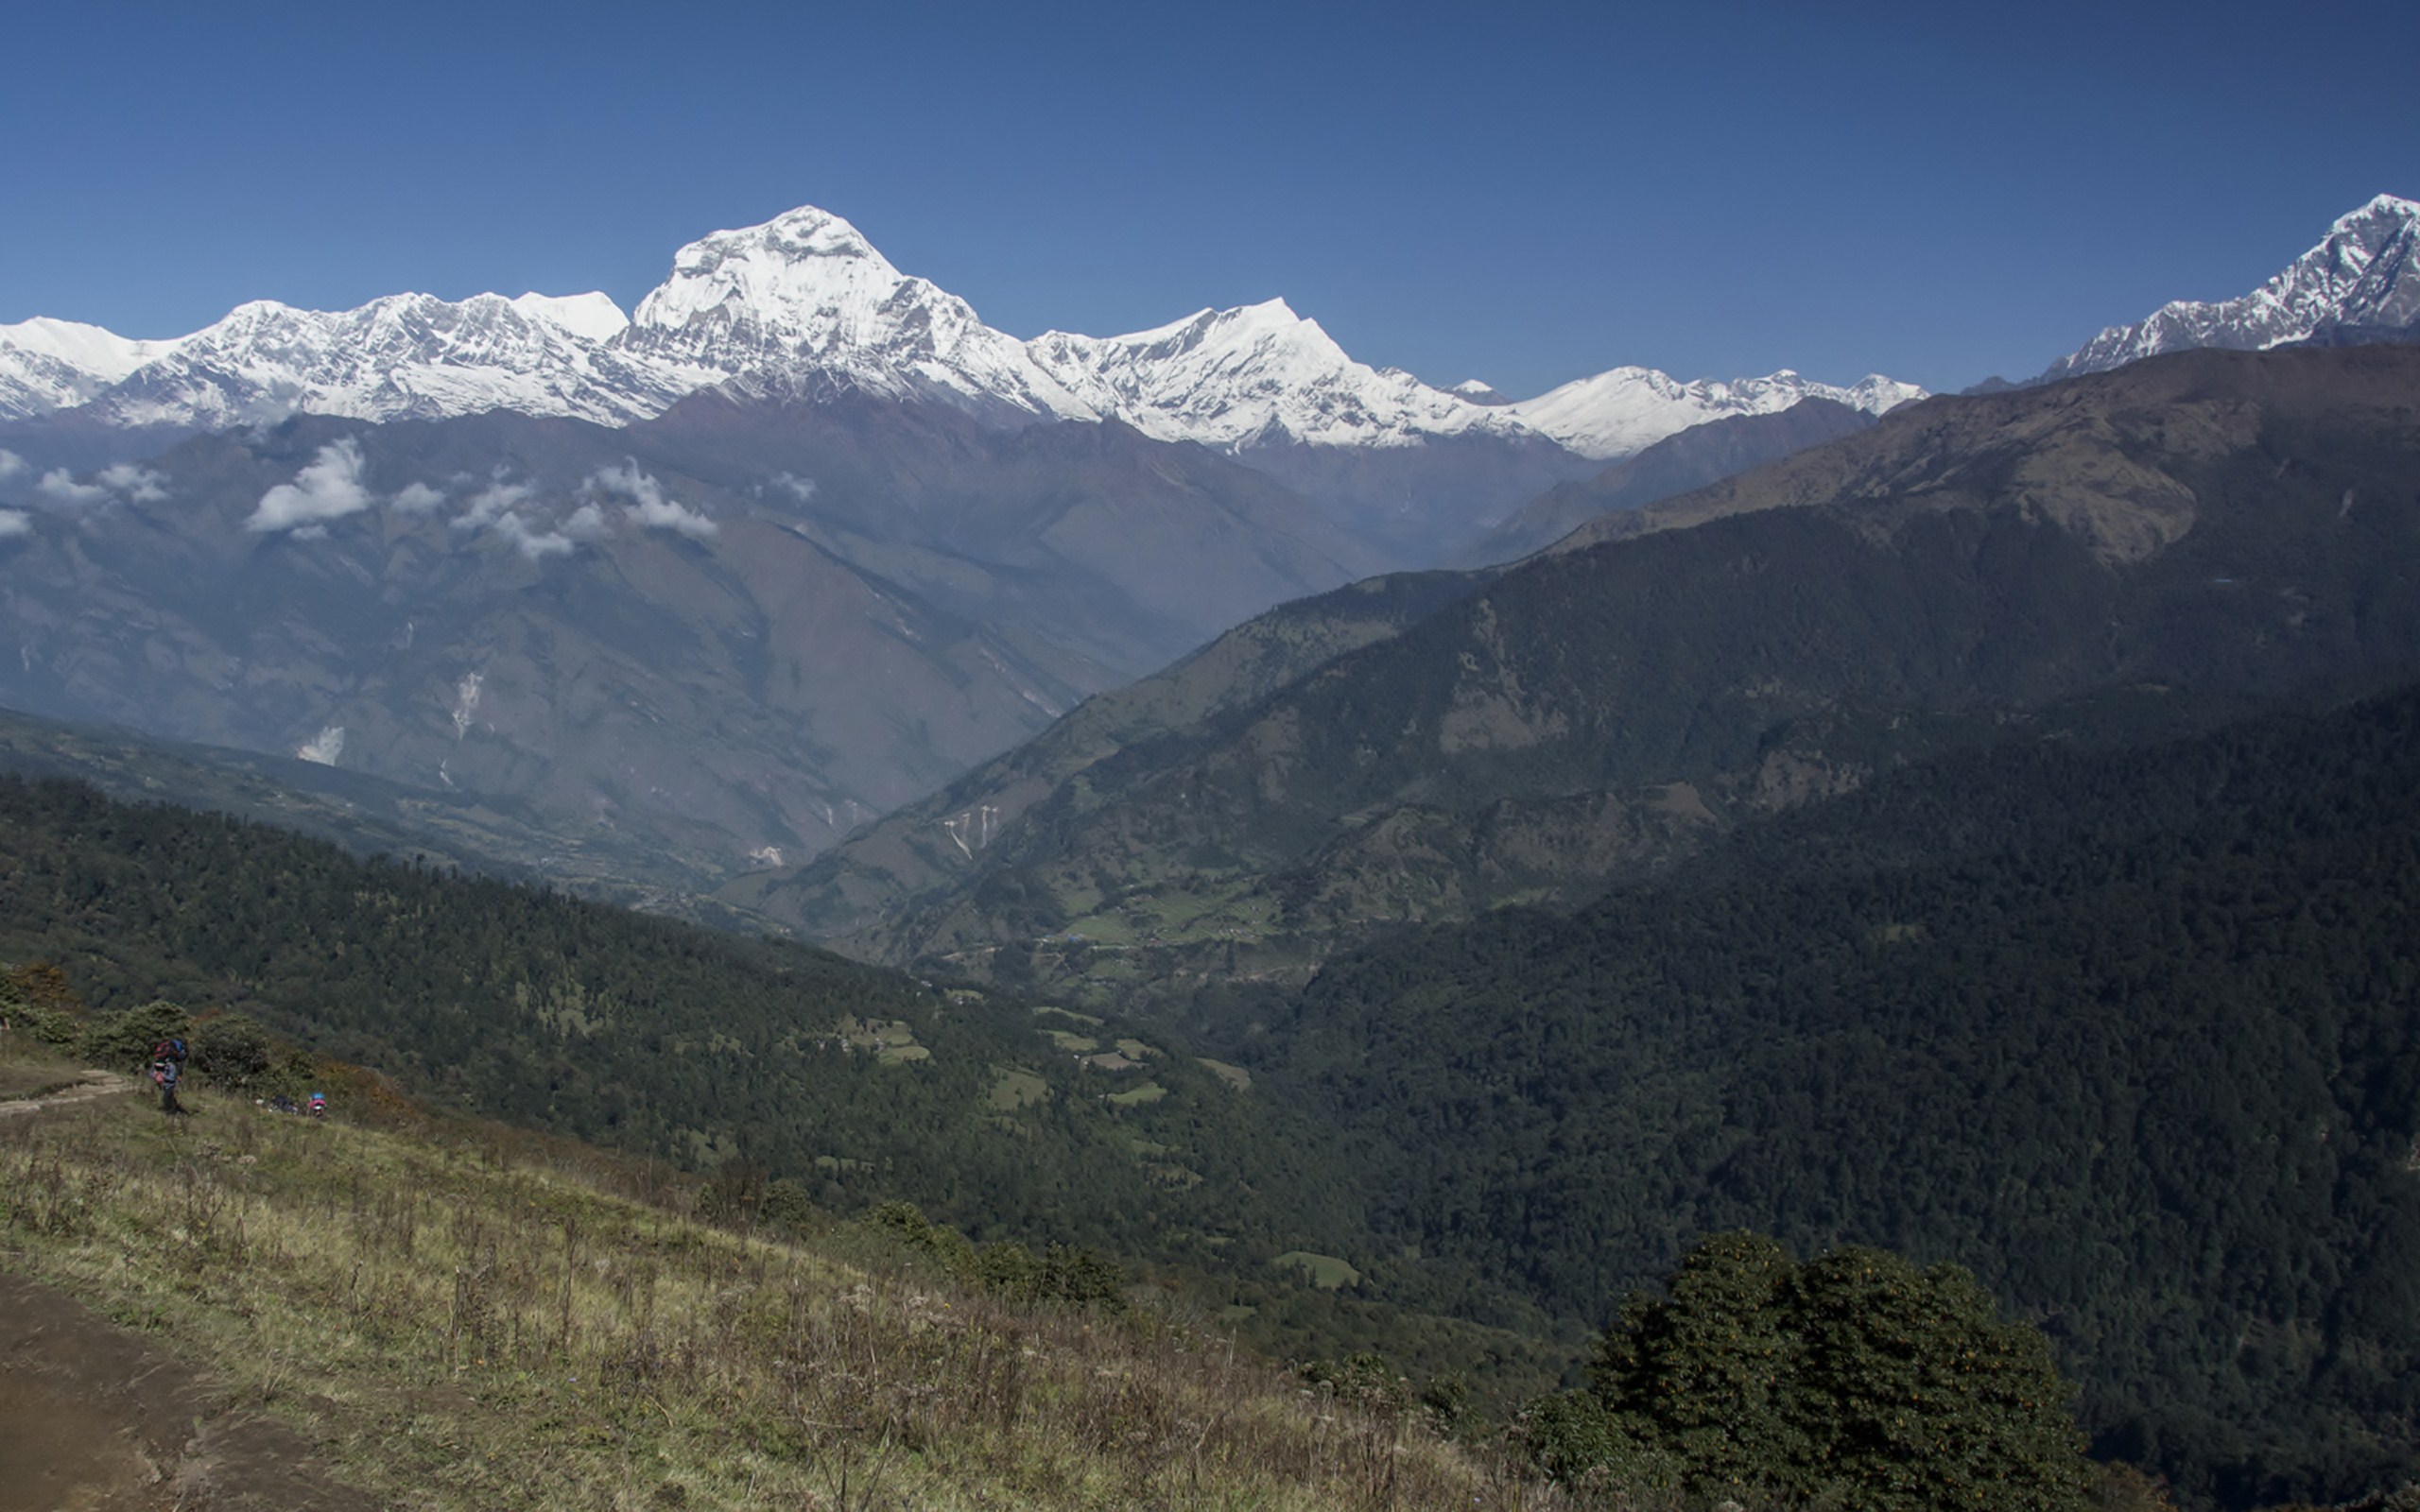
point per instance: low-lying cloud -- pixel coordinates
(649, 507)
(534, 544)
(329, 487)
(59, 486)
(132, 480)
(14, 523)
(418, 498)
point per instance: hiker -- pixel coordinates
(168, 1064)
(319, 1105)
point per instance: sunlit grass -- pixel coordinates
(473, 1321)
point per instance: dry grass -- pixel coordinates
(478, 1324)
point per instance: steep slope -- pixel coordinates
(938, 842)
(2361, 275)
(1675, 465)
(2225, 525)
(2088, 1021)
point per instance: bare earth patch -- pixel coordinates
(100, 1421)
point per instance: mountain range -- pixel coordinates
(800, 540)
(804, 305)
(2180, 536)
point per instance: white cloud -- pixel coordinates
(797, 488)
(10, 464)
(649, 504)
(328, 489)
(665, 514)
(534, 544)
(324, 748)
(135, 482)
(493, 503)
(59, 487)
(14, 523)
(587, 523)
(419, 498)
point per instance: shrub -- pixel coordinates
(234, 1050)
(126, 1037)
(1855, 1379)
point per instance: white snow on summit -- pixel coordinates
(2363, 272)
(47, 365)
(1229, 378)
(805, 298)
(1625, 410)
(804, 304)
(591, 316)
(406, 356)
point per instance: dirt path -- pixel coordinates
(94, 1084)
(97, 1421)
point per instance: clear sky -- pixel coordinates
(1524, 193)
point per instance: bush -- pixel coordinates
(232, 1049)
(37, 1000)
(125, 1037)
(1855, 1379)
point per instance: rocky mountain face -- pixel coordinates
(2199, 529)
(2360, 278)
(709, 642)
(795, 541)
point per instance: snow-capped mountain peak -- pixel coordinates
(805, 305)
(47, 364)
(1624, 410)
(805, 298)
(2364, 272)
(1254, 373)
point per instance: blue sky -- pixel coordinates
(1524, 193)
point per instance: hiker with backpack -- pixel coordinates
(168, 1064)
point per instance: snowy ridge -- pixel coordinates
(407, 356)
(2363, 273)
(1624, 411)
(47, 365)
(1259, 373)
(804, 304)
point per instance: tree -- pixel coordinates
(1855, 1379)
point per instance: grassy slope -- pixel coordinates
(469, 1318)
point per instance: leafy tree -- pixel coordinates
(1855, 1379)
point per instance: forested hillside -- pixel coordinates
(640, 1032)
(2135, 1034)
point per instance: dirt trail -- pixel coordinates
(97, 1421)
(94, 1084)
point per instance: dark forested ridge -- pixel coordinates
(2136, 1035)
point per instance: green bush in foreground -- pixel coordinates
(1853, 1380)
